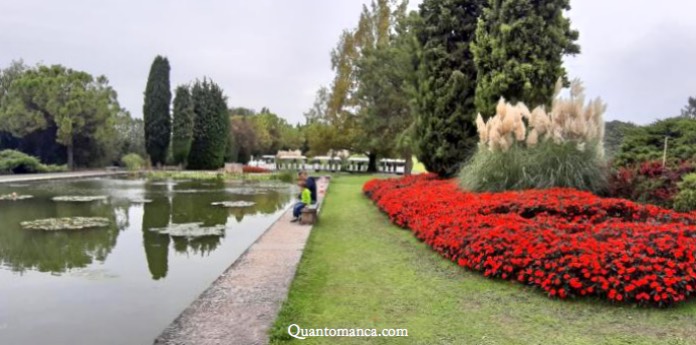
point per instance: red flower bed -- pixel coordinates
(568, 243)
(247, 169)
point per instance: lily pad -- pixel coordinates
(15, 197)
(246, 191)
(191, 230)
(78, 198)
(94, 274)
(234, 204)
(68, 223)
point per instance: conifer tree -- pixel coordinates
(210, 126)
(447, 82)
(519, 51)
(156, 114)
(183, 125)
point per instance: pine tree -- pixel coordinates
(183, 125)
(447, 81)
(689, 111)
(156, 115)
(519, 51)
(210, 126)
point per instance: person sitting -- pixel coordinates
(311, 184)
(305, 200)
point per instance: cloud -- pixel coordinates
(636, 55)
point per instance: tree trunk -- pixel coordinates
(71, 161)
(372, 164)
(409, 164)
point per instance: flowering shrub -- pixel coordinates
(247, 169)
(566, 242)
(649, 182)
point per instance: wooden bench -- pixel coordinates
(310, 214)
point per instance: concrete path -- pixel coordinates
(242, 304)
(58, 176)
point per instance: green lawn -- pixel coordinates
(359, 271)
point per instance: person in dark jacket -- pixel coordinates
(310, 183)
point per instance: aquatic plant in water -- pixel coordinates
(234, 204)
(67, 223)
(191, 230)
(77, 198)
(15, 197)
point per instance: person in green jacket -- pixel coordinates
(305, 199)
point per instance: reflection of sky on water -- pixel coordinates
(90, 286)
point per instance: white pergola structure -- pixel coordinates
(268, 159)
(358, 164)
(291, 162)
(392, 166)
(326, 163)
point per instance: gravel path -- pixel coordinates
(242, 304)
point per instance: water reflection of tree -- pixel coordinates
(57, 251)
(267, 202)
(202, 246)
(196, 208)
(190, 202)
(156, 215)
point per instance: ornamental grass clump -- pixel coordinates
(523, 149)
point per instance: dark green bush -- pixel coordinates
(647, 143)
(15, 162)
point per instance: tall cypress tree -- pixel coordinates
(210, 126)
(183, 124)
(447, 81)
(519, 51)
(158, 125)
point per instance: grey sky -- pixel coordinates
(637, 55)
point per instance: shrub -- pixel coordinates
(566, 242)
(519, 149)
(647, 143)
(649, 182)
(16, 162)
(685, 201)
(133, 162)
(55, 168)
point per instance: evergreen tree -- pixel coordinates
(73, 108)
(210, 126)
(689, 110)
(518, 51)
(156, 111)
(183, 125)
(447, 81)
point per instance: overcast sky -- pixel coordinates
(638, 55)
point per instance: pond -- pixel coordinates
(164, 244)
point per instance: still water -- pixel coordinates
(125, 283)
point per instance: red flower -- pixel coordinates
(568, 243)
